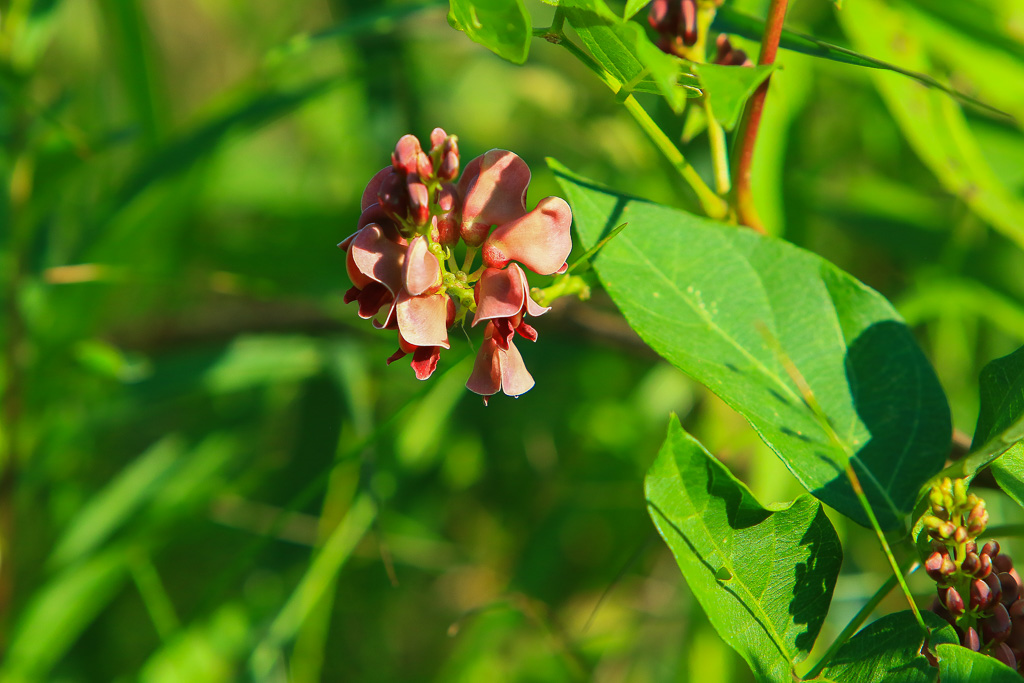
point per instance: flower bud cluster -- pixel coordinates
(978, 591)
(402, 257)
(727, 55)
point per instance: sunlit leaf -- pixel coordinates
(763, 576)
(762, 323)
(729, 88)
(959, 664)
(889, 649)
(502, 26)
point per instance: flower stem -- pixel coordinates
(712, 205)
(747, 135)
(719, 151)
(897, 572)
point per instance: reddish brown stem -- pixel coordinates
(747, 135)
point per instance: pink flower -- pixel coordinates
(493, 188)
(498, 369)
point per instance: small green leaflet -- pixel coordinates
(502, 26)
(729, 87)
(959, 664)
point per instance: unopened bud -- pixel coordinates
(995, 588)
(991, 549)
(971, 547)
(419, 201)
(688, 23)
(984, 566)
(933, 566)
(406, 154)
(437, 138)
(960, 534)
(1003, 653)
(981, 594)
(935, 498)
(424, 167)
(1016, 609)
(959, 493)
(393, 196)
(996, 627)
(970, 639)
(953, 602)
(970, 564)
(449, 166)
(1010, 587)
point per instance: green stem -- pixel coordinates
(154, 596)
(712, 205)
(856, 623)
(719, 150)
(897, 572)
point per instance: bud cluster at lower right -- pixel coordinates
(979, 591)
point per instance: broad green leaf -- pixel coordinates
(763, 576)
(729, 87)
(502, 26)
(623, 49)
(933, 125)
(1008, 471)
(958, 664)
(117, 502)
(1000, 431)
(728, 20)
(753, 318)
(889, 649)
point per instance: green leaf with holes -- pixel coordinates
(819, 364)
(764, 576)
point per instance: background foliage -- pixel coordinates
(190, 411)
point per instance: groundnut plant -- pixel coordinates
(820, 365)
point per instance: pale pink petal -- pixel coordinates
(344, 244)
(389, 320)
(406, 153)
(377, 257)
(486, 376)
(499, 294)
(565, 267)
(539, 240)
(421, 271)
(515, 378)
(469, 174)
(359, 280)
(422, 319)
(532, 307)
(437, 138)
(498, 193)
(424, 361)
(372, 187)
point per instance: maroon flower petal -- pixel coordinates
(502, 331)
(422, 319)
(539, 240)
(375, 213)
(424, 361)
(486, 376)
(421, 271)
(499, 294)
(376, 257)
(498, 193)
(526, 332)
(397, 355)
(372, 187)
(372, 299)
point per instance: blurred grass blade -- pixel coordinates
(180, 154)
(729, 20)
(418, 442)
(117, 502)
(321, 574)
(57, 614)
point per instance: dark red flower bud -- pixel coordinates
(447, 223)
(449, 166)
(984, 566)
(419, 201)
(1002, 563)
(940, 609)
(424, 166)
(971, 547)
(688, 23)
(995, 587)
(661, 17)
(1003, 653)
(1010, 587)
(406, 154)
(437, 138)
(954, 603)
(970, 564)
(981, 594)
(970, 639)
(933, 565)
(997, 626)
(393, 196)
(991, 549)
(961, 534)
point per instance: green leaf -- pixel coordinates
(502, 26)
(889, 649)
(634, 6)
(743, 313)
(958, 664)
(933, 125)
(729, 88)
(623, 49)
(729, 20)
(1000, 431)
(763, 576)
(1008, 471)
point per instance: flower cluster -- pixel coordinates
(417, 219)
(676, 24)
(727, 55)
(979, 592)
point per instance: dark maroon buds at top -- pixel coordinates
(727, 55)
(970, 639)
(954, 603)
(676, 24)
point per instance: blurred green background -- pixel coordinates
(209, 474)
